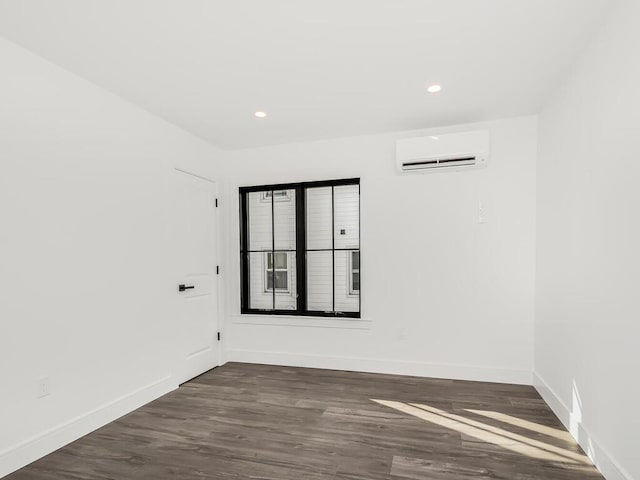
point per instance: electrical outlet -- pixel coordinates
(43, 387)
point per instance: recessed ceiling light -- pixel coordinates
(435, 88)
(260, 114)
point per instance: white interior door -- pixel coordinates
(196, 282)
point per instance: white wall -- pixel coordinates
(442, 295)
(86, 287)
(588, 261)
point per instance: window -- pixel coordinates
(281, 272)
(300, 248)
(278, 195)
(354, 274)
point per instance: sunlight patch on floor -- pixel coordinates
(519, 422)
(488, 433)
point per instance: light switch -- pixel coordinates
(482, 218)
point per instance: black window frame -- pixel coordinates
(300, 250)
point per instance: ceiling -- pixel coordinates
(321, 68)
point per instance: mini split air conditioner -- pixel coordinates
(451, 151)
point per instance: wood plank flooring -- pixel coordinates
(243, 421)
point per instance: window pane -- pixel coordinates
(281, 280)
(281, 260)
(260, 282)
(284, 209)
(286, 291)
(281, 271)
(347, 216)
(259, 211)
(355, 260)
(346, 298)
(356, 281)
(319, 218)
(319, 282)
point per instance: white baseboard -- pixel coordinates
(49, 441)
(599, 455)
(374, 365)
(38, 446)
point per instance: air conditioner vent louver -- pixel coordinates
(449, 151)
(439, 163)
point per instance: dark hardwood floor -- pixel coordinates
(244, 421)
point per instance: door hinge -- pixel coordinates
(218, 336)
(216, 203)
(217, 269)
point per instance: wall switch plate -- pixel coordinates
(482, 217)
(43, 387)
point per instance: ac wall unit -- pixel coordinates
(451, 151)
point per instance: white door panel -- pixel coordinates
(195, 243)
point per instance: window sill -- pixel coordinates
(298, 321)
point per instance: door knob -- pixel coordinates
(182, 287)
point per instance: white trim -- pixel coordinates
(596, 452)
(31, 449)
(379, 365)
(302, 321)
